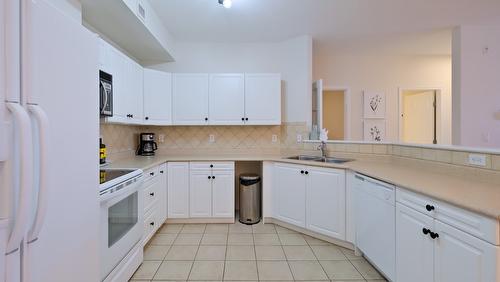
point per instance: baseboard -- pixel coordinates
(199, 220)
(335, 241)
(126, 268)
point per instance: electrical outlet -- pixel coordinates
(476, 159)
(274, 138)
(161, 138)
(299, 138)
(211, 138)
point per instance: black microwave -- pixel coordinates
(106, 94)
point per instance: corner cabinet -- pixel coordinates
(311, 198)
(157, 97)
(189, 99)
(178, 189)
(262, 99)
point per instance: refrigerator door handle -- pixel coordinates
(22, 216)
(43, 129)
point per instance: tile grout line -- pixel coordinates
(255, 254)
(319, 262)
(176, 235)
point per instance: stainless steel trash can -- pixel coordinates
(249, 198)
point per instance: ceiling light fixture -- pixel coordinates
(226, 3)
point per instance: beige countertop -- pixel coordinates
(471, 194)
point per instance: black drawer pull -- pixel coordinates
(151, 173)
(151, 194)
(161, 171)
(307, 172)
(434, 235)
(301, 172)
(152, 223)
(429, 208)
(425, 231)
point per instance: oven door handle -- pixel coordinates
(111, 196)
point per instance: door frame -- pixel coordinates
(347, 108)
(439, 92)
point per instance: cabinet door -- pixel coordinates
(325, 201)
(135, 92)
(190, 99)
(226, 99)
(157, 97)
(162, 198)
(263, 99)
(460, 257)
(414, 249)
(289, 194)
(223, 194)
(178, 190)
(200, 193)
(118, 69)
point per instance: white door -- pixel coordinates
(418, 117)
(414, 248)
(325, 201)
(227, 99)
(262, 99)
(223, 194)
(163, 193)
(317, 104)
(200, 193)
(460, 257)
(190, 99)
(157, 97)
(136, 96)
(178, 190)
(289, 194)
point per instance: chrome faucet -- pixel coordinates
(322, 147)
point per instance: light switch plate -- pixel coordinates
(299, 138)
(477, 159)
(274, 138)
(211, 138)
(161, 138)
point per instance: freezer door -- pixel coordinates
(60, 78)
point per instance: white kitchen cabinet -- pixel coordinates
(414, 249)
(190, 99)
(223, 194)
(135, 92)
(262, 99)
(200, 193)
(162, 204)
(157, 97)
(289, 194)
(154, 195)
(460, 257)
(178, 189)
(325, 201)
(227, 99)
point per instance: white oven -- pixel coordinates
(121, 218)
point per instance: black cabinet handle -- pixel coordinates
(206, 119)
(429, 208)
(152, 223)
(425, 231)
(151, 173)
(161, 171)
(434, 235)
(243, 119)
(131, 116)
(146, 118)
(211, 165)
(209, 177)
(302, 172)
(246, 118)
(307, 172)
(151, 194)
(213, 177)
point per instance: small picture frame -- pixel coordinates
(373, 105)
(374, 130)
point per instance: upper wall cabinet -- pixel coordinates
(157, 97)
(262, 99)
(127, 78)
(227, 99)
(190, 99)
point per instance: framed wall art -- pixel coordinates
(374, 130)
(373, 105)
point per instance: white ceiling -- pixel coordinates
(410, 26)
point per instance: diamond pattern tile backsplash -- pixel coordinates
(123, 139)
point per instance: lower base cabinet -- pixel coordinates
(178, 190)
(154, 195)
(429, 250)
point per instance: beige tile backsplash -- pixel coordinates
(122, 140)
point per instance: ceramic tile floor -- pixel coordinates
(238, 252)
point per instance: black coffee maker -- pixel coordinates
(147, 145)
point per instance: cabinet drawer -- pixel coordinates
(151, 224)
(475, 224)
(211, 165)
(151, 174)
(150, 195)
(416, 201)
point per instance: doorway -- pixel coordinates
(419, 116)
(333, 113)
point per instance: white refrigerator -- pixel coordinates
(49, 129)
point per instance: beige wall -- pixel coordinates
(386, 73)
(333, 114)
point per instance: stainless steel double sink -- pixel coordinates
(320, 159)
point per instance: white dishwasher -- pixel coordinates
(375, 221)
